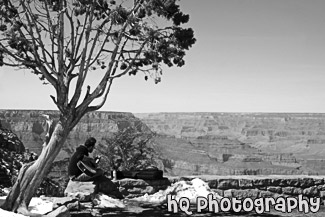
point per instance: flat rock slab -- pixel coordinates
(81, 190)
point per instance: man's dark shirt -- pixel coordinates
(73, 169)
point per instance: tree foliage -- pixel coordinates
(63, 40)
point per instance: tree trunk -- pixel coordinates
(31, 174)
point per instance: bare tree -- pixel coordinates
(62, 41)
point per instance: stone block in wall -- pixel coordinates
(288, 190)
(275, 182)
(260, 183)
(311, 192)
(212, 183)
(293, 182)
(306, 182)
(227, 184)
(245, 183)
(268, 194)
(241, 194)
(220, 192)
(319, 181)
(321, 187)
(297, 191)
(274, 189)
(322, 194)
(227, 193)
(283, 183)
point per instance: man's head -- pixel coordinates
(90, 144)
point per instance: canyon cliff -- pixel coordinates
(196, 143)
(240, 143)
(30, 125)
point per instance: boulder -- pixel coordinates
(40, 205)
(11, 155)
(50, 188)
(106, 186)
(10, 141)
(83, 191)
(103, 201)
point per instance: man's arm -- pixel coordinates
(89, 161)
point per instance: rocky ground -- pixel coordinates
(77, 203)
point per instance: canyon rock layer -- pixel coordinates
(30, 125)
(240, 143)
(196, 143)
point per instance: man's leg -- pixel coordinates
(99, 172)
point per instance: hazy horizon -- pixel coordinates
(251, 56)
(322, 113)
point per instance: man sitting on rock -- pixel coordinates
(90, 171)
(83, 168)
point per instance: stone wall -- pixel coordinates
(82, 198)
(264, 186)
(235, 186)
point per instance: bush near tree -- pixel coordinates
(127, 150)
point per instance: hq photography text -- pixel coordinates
(258, 205)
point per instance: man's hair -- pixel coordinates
(90, 142)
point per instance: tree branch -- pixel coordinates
(81, 77)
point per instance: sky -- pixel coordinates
(250, 56)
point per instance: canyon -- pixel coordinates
(240, 143)
(196, 143)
